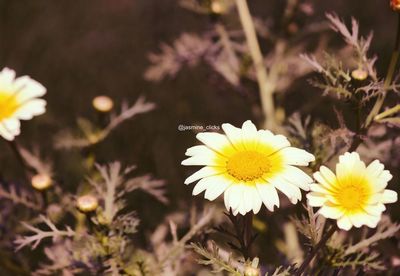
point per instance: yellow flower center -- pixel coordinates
(353, 196)
(248, 165)
(8, 105)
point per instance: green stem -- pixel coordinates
(15, 149)
(389, 78)
(243, 226)
(315, 250)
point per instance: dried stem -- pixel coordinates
(389, 77)
(265, 86)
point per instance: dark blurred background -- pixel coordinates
(80, 49)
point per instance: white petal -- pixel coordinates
(201, 186)
(249, 132)
(215, 141)
(269, 195)
(7, 77)
(291, 191)
(234, 135)
(344, 223)
(349, 158)
(386, 176)
(6, 134)
(214, 191)
(248, 197)
(295, 156)
(330, 212)
(257, 202)
(235, 195)
(205, 158)
(316, 199)
(276, 142)
(192, 151)
(328, 175)
(211, 182)
(389, 196)
(360, 219)
(319, 189)
(350, 165)
(9, 129)
(28, 89)
(375, 210)
(297, 177)
(30, 109)
(12, 125)
(203, 172)
(375, 168)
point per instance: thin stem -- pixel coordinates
(315, 250)
(265, 86)
(15, 149)
(387, 113)
(243, 226)
(389, 77)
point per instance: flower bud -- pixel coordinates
(359, 74)
(395, 5)
(87, 203)
(41, 182)
(218, 7)
(103, 103)
(251, 271)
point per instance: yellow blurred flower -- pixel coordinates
(18, 101)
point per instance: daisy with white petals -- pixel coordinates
(356, 195)
(248, 166)
(18, 101)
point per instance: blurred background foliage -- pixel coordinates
(81, 49)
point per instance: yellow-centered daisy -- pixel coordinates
(18, 101)
(356, 195)
(248, 166)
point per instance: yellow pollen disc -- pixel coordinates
(353, 196)
(248, 165)
(8, 105)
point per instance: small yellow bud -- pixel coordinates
(359, 74)
(87, 203)
(41, 182)
(103, 103)
(251, 271)
(218, 7)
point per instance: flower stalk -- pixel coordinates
(15, 149)
(243, 226)
(265, 86)
(315, 250)
(388, 80)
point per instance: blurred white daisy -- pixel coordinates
(248, 166)
(356, 195)
(18, 101)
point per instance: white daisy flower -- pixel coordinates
(18, 101)
(248, 166)
(356, 195)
